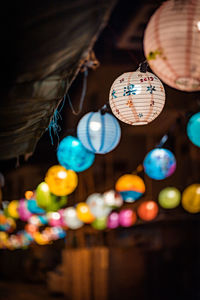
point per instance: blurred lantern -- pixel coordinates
(61, 182)
(98, 132)
(113, 220)
(3, 236)
(100, 223)
(11, 225)
(131, 187)
(28, 194)
(23, 211)
(83, 213)
(31, 228)
(47, 200)
(169, 197)
(191, 198)
(148, 210)
(159, 163)
(12, 209)
(70, 218)
(127, 217)
(193, 129)
(112, 199)
(172, 44)
(54, 218)
(40, 238)
(72, 155)
(137, 98)
(34, 208)
(97, 205)
(38, 220)
(58, 233)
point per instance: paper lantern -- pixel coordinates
(61, 182)
(29, 194)
(137, 98)
(99, 133)
(131, 187)
(159, 163)
(13, 209)
(169, 197)
(97, 205)
(40, 238)
(34, 208)
(113, 220)
(193, 129)
(148, 210)
(127, 217)
(31, 228)
(100, 223)
(172, 44)
(83, 213)
(72, 155)
(191, 198)
(23, 211)
(54, 218)
(47, 200)
(112, 199)
(70, 218)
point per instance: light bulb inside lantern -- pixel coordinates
(55, 216)
(138, 89)
(75, 143)
(44, 187)
(62, 174)
(150, 205)
(95, 126)
(198, 190)
(198, 25)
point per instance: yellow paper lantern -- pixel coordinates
(83, 213)
(137, 98)
(191, 198)
(13, 209)
(40, 238)
(61, 182)
(172, 44)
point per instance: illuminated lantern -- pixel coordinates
(11, 224)
(38, 220)
(99, 133)
(29, 194)
(172, 44)
(191, 198)
(70, 218)
(61, 182)
(31, 228)
(148, 210)
(169, 197)
(23, 211)
(100, 223)
(137, 98)
(193, 129)
(127, 217)
(47, 200)
(83, 213)
(113, 220)
(97, 205)
(57, 233)
(34, 208)
(131, 187)
(40, 238)
(159, 163)
(54, 218)
(72, 155)
(13, 209)
(112, 199)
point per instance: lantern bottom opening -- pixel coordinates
(187, 83)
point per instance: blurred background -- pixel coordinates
(151, 260)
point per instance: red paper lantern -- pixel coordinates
(148, 210)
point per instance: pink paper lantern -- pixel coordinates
(23, 211)
(127, 217)
(172, 44)
(113, 220)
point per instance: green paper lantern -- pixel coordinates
(48, 201)
(100, 223)
(169, 197)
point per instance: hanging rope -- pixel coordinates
(89, 62)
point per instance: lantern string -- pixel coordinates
(105, 108)
(143, 66)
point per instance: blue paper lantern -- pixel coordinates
(99, 133)
(73, 155)
(34, 208)
(159, 163)
(193, 129)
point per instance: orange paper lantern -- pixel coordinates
(83, 213)
(172, 44)
(148, 210)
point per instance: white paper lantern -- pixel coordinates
(70, 218)
(137, 98)
(97, 205)
(172, 44)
